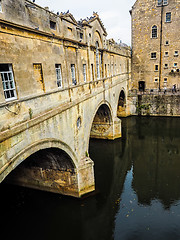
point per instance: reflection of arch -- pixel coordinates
(121, 108)
(35, 147)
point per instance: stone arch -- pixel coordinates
(49, 165)
(101, 121)
(35, 147)
(98, 38)
(121, 106)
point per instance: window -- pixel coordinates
(92, 72)
(38, 74)
(175, 64)
(81, 36)
(165, 65)
(156, 67)
(159, 2)
(153, 55)
(8, 81)
(52, 25)
(168, 17)
(176, 53)
(84, 72)
(0, 6)
(58, 75)
(154, 31)
(73, 73)
(164, 2)
(167, 43)
(165, 79)
(166, 54)
(97, 61)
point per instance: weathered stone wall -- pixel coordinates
(146, 14)
(158, 105)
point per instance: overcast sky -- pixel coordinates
(113, 13)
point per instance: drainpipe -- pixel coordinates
(160, 60)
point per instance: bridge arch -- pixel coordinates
(50, 165)
(121, 106)
(102, 121)
(35, 147)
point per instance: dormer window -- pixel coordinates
(53, 25)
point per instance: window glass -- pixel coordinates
(154, 31)
(8, 83)
(58, 75)
(153, 55)
(74, 82)
(168, 17)
(84, 72)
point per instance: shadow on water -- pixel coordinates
(138, 192)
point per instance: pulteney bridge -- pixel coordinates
(50, 151)
(61, 82)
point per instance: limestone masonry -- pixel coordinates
(61, 82)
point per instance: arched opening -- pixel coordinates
(102, 122)
(121, 109)
(50, 169)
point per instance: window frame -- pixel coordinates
(8, 83)
(154, 32)
(176, 53)
(97, 61)
(1, 6)
(166, 54)
(73, 74)
(52, 24)
(155, 55)
(58, 75)
(166, 65)
(85, 73)
(168, 18)
(156, 67)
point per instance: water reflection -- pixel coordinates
(156, 160)
(138, 192)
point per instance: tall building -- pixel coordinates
(155, 45)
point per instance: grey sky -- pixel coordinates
(114, 14)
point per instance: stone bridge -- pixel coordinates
(61, 82)
(50, 151)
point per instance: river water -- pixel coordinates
(137, 197)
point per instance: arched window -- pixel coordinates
(154, 31)
(97, 60)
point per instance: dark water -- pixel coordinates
(138, 182)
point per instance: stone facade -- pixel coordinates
(155, 44)
(60, 84)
